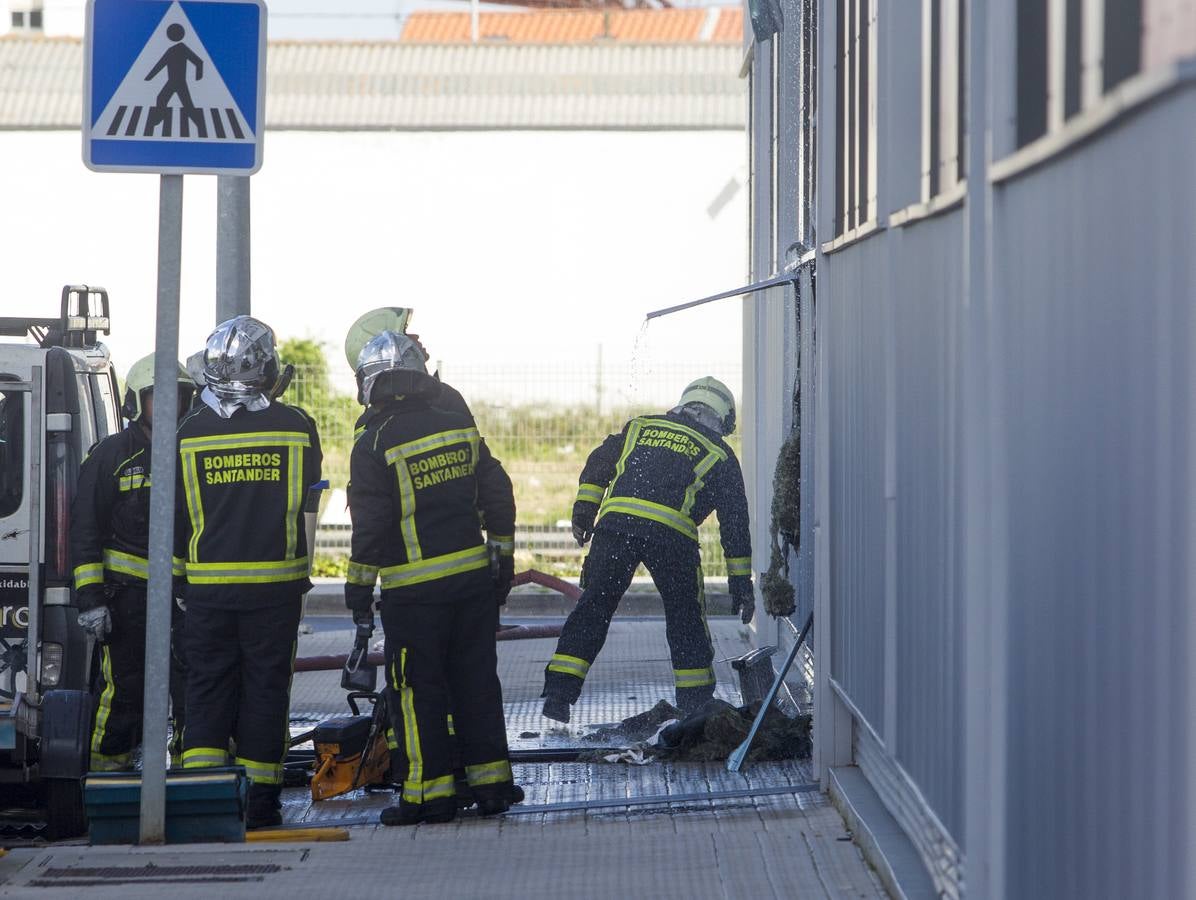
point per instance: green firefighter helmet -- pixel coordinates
(140, 381)
(714, 395)
(372, 324)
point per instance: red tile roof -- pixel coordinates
(573, 26)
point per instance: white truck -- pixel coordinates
(58, 397)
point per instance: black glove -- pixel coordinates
(364, 620)
(584, 514)
(743, 597)
(502, 571)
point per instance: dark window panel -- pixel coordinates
(35, 19)
(1031, 70)
(840, 122)
(1073, 63)
(1123, 41)
(936, 95)
(961, 103)
(863, 154)
(852, 133)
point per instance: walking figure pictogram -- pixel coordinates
(175, 61)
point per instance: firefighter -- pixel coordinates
(246, 462)
(109, 549)
(422, 486)
(649, 488)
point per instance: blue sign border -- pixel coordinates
(240, 62)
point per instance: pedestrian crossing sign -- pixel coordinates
(174, 86)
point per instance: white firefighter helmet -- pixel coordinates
(140, 381)
(392, 352)
(716, 397)
(372, 324)
(240, 361)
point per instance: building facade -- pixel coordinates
(989, 213)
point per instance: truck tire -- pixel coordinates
(65, 817)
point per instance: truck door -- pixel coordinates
(17, 525)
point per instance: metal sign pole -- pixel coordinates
(232, 247)
(161, 525)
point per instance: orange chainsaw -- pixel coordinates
(351, 752)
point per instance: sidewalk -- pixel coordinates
(788, 845)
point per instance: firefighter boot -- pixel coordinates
(431, 812)
(264, 807)
(556, 708)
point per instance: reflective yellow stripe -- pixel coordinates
(392, 743)
(204, 757)
(249, 439)
(358, 432)
(415, 756)
(739, 565)
(407, 504)
(434, 442)
(708, 444)
(656, 512)
(684, 678)
(701, 470)
(568, 665)
(88, 573)
(247, 572)
(489, 773)
(436, 567)
(194, 503)
(505, 544)
(261, 772)
(432, 789)
(125, 462)
(590, 493)
(102, 762)
(294, 499)
(178, 566)
(452, 729)
(134, 482)
(633, 434)
(105, 706)
(360, 573)
(126, 563)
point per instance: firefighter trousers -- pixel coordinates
(119, 685)
(676, 569)
(239, 666)
(440, 656)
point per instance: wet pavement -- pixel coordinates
(775, 845)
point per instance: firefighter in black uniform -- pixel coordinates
(653, 485)
(246, 462)
(109, 540)
(422, 486)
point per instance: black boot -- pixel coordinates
(433, 812)
(497, 799)
(263, 808)
(555, 708)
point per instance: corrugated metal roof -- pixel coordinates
(569, 26)
(366, 86)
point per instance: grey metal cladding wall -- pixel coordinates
(853, 278)
(927, 275)
(1096, 279)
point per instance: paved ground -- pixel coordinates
(786, 845)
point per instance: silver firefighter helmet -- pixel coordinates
(240, 361)
(391, 352)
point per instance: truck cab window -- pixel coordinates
(12, 452)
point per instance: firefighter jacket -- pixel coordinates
(239, 530)
(110, 516)
(665, 474)
(447, 398)
(422, 486)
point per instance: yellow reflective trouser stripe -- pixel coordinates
(133, 482)
(89, 573)
(105, 707)
(360, 573)
(435, 567)
(684, 678)
(247, 572)
(590, 493)
(248, 439)
(415, 756)
(204, 757)
(433, 789)
(452, 729)
(432, 442)
(261, 772)
(102, 762)
(126, 563)
(656, 512)
(489, 773)
(504, 542)
(568, 665)
(739, 565)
